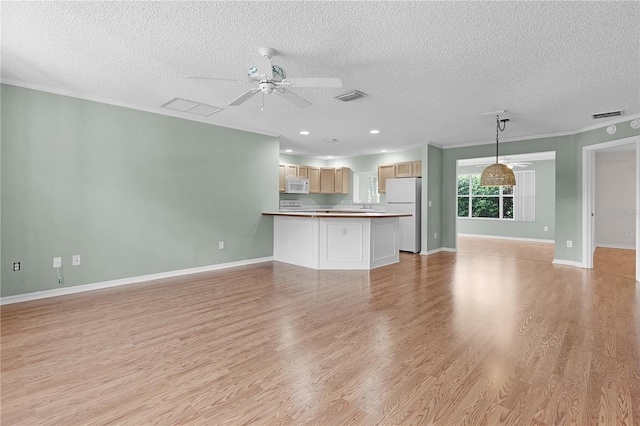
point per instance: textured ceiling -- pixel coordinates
(430, 68)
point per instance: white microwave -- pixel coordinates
(297, 186)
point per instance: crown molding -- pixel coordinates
(547, 135)
(157, 110)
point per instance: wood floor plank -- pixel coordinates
(493, 334)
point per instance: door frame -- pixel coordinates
(588, 198)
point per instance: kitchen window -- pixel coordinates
(515, 203)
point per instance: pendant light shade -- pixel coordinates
(498, 174)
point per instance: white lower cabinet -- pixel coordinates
(336, 243)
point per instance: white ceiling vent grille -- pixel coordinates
(607, 114)
(185, 105)
(351, 96)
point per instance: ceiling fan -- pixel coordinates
(273, 79)
(511, 164)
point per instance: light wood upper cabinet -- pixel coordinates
(282, 178)
(291, 170)
(403, 169)
(322, 180)
(313, 174)
(327, 180)
(342, 178)
(408, 169)
(385, 171)
(416, 169)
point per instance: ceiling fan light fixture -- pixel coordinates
(277, 70)
(498, 174)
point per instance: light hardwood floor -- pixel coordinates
(448, 339)
(615, 261)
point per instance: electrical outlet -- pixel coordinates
(221, 245)
(57, 262)
(546, 228)
(75, 260)
(435, 235)
(569, 243)
(16, 266)
(429, 203)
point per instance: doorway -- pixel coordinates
(620, 222)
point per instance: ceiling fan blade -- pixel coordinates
(263, 64)
(244, 97)
(313, 82)
(293, 98)
(215, 78)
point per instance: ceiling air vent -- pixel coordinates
(332, 140)
(607, 114)
(185, 105)
(351, 96)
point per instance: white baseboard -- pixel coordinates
(434, 251)
(499, 237)
(450, 250)
(568, 263)
(616, 246)
(125, 281)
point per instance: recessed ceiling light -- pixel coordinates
(288, 150)
(383, 150)
(329, 156)
(374, 131)
(304, 132)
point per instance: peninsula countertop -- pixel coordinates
(343, 214)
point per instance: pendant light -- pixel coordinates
(498, 174)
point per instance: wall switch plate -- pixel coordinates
(75, 260)
(569, 243)
(16, 266)
(435, 235)
(429, 203)
(546, 228)
(57, 262)
(221, 245)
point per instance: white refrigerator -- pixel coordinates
(403, 196)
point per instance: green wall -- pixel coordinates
(545, 198)
(133, 193)
(568, 204)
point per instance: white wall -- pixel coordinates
(615, 200)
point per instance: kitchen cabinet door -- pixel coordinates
(291, 170)
(327, 180)
(314, 180)
(385, 171)
(282, 178)
(303, 172)
(416, 169)
(343, 177)
(403, 169)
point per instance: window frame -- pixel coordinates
(470, 196)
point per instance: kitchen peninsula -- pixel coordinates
(336, 239)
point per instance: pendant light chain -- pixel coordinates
(504, 126)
